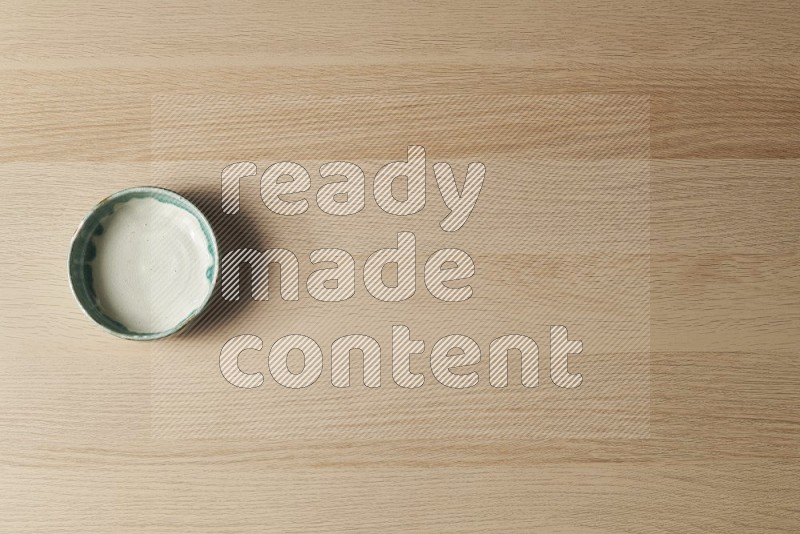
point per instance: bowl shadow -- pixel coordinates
(232, 232)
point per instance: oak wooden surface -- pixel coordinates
(77, 452)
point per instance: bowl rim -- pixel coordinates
(208, 230)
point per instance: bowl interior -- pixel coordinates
(83, 261)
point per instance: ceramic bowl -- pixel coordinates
(143, 263)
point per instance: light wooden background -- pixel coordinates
(76, 453)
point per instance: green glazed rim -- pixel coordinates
(82, 251)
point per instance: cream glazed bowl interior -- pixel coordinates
(143, 263)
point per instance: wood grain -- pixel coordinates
(76, 448)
